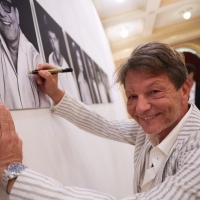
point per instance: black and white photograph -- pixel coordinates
(55, 50)
(105, 81)
(80, 71)
(19, 55)
(100, 84)
(92, 79)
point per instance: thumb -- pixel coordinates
(45, 74)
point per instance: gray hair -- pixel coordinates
(155, 58)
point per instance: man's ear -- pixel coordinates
(186, 90)
(17, 15)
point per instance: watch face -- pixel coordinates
(16, 168)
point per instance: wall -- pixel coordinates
(55, 147)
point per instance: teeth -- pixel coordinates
(146, 118)
(6, 23)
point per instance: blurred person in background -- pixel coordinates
(195, 87)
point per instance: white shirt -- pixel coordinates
(84, 89)
(102, 91)
(18, 89)
(160, 152)
(192, 93)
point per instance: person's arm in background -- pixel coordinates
(81, 115)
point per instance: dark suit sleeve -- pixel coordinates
(197, 96)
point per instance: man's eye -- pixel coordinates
(132, 97)
(154, 91)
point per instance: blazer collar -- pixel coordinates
(191, 125)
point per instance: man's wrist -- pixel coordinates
(57, 97)
(10, 175)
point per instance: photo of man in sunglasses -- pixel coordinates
(18, 56)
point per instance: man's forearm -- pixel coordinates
(34, 185)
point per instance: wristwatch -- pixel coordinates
(12, 172)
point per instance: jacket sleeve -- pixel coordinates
(31, 185)
(83, 117)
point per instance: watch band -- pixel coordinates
(12, 172)
(5, 179)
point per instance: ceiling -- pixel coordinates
(147, 20)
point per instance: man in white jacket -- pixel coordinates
(165, 131)
(18, 56)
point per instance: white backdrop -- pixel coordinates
(55, 147)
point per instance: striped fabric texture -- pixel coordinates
(178, 177)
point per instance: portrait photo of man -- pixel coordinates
(106, 84)
(100, 83)
(92, 79)
(18, 56)
(55, 49)
(80, 71)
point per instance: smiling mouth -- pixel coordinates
(6, 23)
(149, 117)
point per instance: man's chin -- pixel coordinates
(152, 131)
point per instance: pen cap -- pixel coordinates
(67, 70)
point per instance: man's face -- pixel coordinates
(9, 23)
(54, 44)
(154, 102)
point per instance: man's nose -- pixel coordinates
(142, 105)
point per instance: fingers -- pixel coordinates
(44, 66)
(39, 78)
(11, 122)
(6, 122)
(45, 74)
(10, 143)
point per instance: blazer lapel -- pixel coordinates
(192, 125)
(141, 149)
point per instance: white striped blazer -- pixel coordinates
(178, 177)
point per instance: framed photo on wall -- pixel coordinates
(55, 50)
(92, 79)
(18, 90)
(80, 71)
(107, 86)
(100, 84)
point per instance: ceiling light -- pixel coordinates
(186, 13)
(124, 33)
(119, 1)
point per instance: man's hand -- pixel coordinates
(48, 83)
(10, 143)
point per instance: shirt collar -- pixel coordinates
(168, 142)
